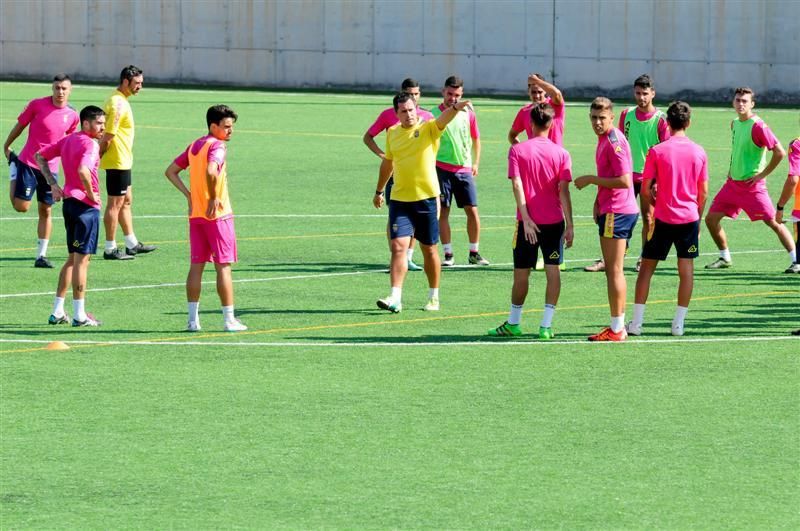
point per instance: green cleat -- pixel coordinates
(545, 332)
(506, 330)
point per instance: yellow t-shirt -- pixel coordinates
(413, 154)
(119, 122)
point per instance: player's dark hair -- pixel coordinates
(408, 83)
(542, 115)
(400, 99)
(91, 113)
(678, 115)
(454, 82)
(58, 78)
(745, 90)
(601, 103)
(217, 113)
(540, 76)
(644, 81)
(130, 72)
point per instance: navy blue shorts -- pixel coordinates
(418, 219)
(617, 226)
(117, 182)
(549, 240)
(29, 180)
(83, 224)
(460, 185)
(684, 236)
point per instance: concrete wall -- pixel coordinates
(705, 46)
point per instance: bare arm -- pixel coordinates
(778, 154)
(12, 135)
(512, 136)
(476, 155)
(384, 173)
(105, 142)
(555, 95)
(702, 196)
(49, 177)
(369, 141)
(86, 180)
(566, 206)
(447, 116)
(786, 194)
(620, 181)
(173, 175)
(528, 226)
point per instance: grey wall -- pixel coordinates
(705, 46)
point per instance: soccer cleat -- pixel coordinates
(633, 329)
(562, 266)
(539, 264)
(545, 333)
(506, 330)
(53, 320)
(796, 332)
(719, 263)
(475, 258)
(606, 334)
(43, 262)
(193, 326)
(638, 264)
(116, 254)
(90, 321)
(448, 261)
(233, 326)
(432, 305)
(413, 267)
(389, 305)
(677, 329)
(140, 249)
(596, 267)
(794, 268)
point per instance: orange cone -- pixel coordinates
(57, 345)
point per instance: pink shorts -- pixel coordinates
(735, 196)
(212, 241)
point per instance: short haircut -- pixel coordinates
(454, 82)
(542, 115)
(745, 90)
(58, 78)
(130, 72)
(408, 83)
(400, 99)
(540, 76)
(644, 81)
(217, 113)
(678, 115)
(91, 113)
(601, 103)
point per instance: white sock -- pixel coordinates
(638, 314)
(433, 293)
(618, 323)
(397, 294)
(680, 315)
(41, 248)
(447, 248)
(410, 254)
(194, 312)
(547, 316)
(473, 247)
(792, 254)
(78, 309)
(110, 245)
(515, 315)
(131, 241)
(227, 314)
(725, 254)
(58, 306)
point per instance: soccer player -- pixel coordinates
(116, 149)
(615, 209)
(457, 168)
(540, 91)
(211, 232)
(386, 119)
(414, 208)
(790, 188)
(679, 168)
(80, 157)
(746, 188)
(50, 119)
(540, 173)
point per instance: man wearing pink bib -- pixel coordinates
(679, 168)
(540, 91)
(790, 188)
(746, 188)
(211, 233)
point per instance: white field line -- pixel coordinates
(321, 275)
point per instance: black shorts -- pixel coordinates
(82, 222)
(117, 182)
(28, 180)
(637, 188)
(550, 240)
(684, 236)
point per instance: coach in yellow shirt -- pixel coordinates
(116, 149)
(411, 148)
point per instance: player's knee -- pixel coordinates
(21, 206)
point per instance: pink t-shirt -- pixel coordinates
(613, 159)
(762, 135)
(522, 122)
(679, 167)
(388, 118)
(794, 169)
(216, 153)
(663, 130)
(47, 124)
(541, 165)
(474, 133)
(76, 150)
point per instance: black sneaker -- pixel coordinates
(116, 254)
(475, 258)
(140, 248)
(43, 262)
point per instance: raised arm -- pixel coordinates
(447, 116)
(551, 90)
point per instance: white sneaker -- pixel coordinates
(193, 326)
(719, 263)
(794, 268)
(432, 305)
(633, 329)
(235, 326)
(390, 305)
(449, 260)
(677, 330)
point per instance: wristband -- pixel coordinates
(779, 207)
(378, 192)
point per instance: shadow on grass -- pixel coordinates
(312, 267)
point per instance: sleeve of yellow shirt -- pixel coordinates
(113, 114)
(387, 153)
(435, 132)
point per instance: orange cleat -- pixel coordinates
(606, 334)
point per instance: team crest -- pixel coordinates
(416, 133)
(554, 255)
(394, 227)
